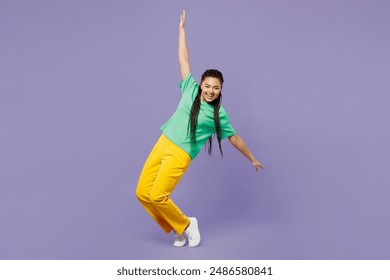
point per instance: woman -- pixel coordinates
(198, 117)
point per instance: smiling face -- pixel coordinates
(211, 89)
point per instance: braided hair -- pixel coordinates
(193, 120)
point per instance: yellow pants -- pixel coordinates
(162, 171)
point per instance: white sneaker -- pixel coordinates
(193, 233)
(180, 239)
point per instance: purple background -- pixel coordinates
(85, 86)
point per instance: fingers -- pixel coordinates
(182, 18)
(257, 165)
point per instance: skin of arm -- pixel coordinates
(240, 145)
(236, 140)
(182, 49)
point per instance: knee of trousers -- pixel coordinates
(158, 199)
(150, 198)
(142, 196)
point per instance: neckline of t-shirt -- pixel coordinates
(204, 102)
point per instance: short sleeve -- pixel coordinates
(188, 85)
(227, 129)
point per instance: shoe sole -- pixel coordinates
(195, 220)
(180, 245)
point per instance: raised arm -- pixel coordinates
(240, 145)
(182, 49)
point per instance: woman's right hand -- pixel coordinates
(182, 19)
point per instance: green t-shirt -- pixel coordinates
(176, 128)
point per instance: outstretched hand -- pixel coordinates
(182, 19)
(257, 164)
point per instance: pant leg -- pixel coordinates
(162, 171)
(146, 180)
(173, 166)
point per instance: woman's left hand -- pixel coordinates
(257, 164)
